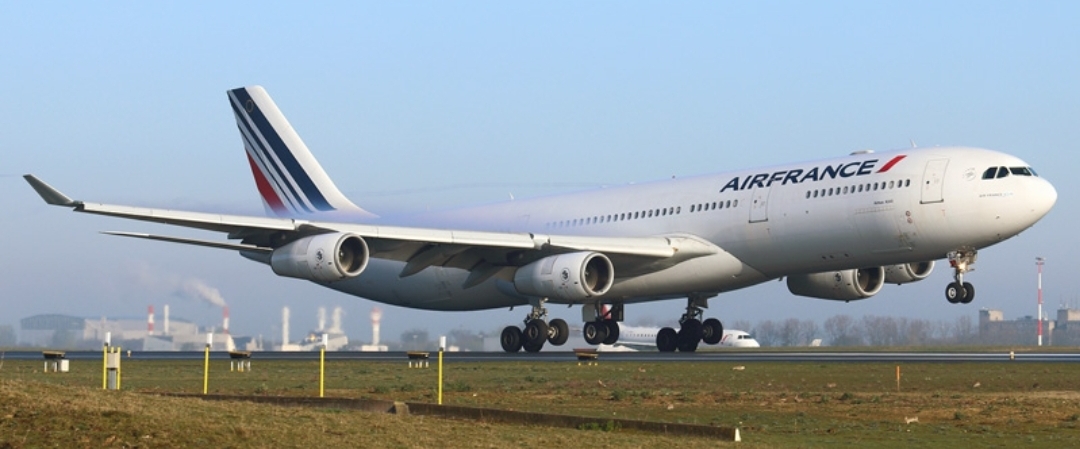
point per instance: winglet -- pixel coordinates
(48, 193)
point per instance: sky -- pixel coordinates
(422, 105)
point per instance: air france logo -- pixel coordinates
(798, 175)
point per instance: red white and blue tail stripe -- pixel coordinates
(290, 180)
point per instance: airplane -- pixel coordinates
(836, 229)
(636, 336)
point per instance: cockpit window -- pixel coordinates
(1001, 172)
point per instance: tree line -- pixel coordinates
(870, 330)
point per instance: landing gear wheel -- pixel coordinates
(712, 331)
(667, 339)
(612, 332)
(511, 339)
(558, 332)
(969, 293)
(689, 335)
(595, 332)
(955, 293)
(533, 347)
(536, 332)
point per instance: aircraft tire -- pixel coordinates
(595, 332)
(688, 343)
(560, 331)
(969, 293)
(536, 332)
(667, 340)
(612, 332)
(510, 339)
(712, 331)
(689, 335)
(533, 347)
(954, 293)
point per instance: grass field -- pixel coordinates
(775, 404)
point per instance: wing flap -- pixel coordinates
(197, 242)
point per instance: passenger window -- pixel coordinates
(736, 203)
(891, 184)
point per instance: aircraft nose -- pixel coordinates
(1043, 197)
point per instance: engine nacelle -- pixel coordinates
(908, 272)
(322, 258)
(573, 276)
(847, 285)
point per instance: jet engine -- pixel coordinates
(847, 285)
(908, 272)
(322, 258)
(573, 276)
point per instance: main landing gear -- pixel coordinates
(692, 330)
(960, 292)
(537, 331)
(604, 327)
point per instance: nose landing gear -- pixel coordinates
(960, 292)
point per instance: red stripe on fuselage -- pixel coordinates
(891, 162)
(265, 190)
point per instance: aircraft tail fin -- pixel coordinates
(290, 180)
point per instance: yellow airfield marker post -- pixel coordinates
(322, 365)
(105, 362)
(206, 363)
(442, 347)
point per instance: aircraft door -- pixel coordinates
(934, 181)
(759, 205)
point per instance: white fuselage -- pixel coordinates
(636, 336)
(862, 210)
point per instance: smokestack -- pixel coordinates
(322, 319)
(225, 319)
(284, 326)
(166, 320)
(150, 320)
(376, 316)
(335, 321)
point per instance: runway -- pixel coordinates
(740, 356)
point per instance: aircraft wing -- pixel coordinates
(419, 247)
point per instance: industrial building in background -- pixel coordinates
(994, 329)
(336, 340)
(69, 332)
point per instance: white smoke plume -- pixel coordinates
(154, 280)
(197, 289)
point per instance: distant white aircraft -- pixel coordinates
(837, 229)
(634, 336)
